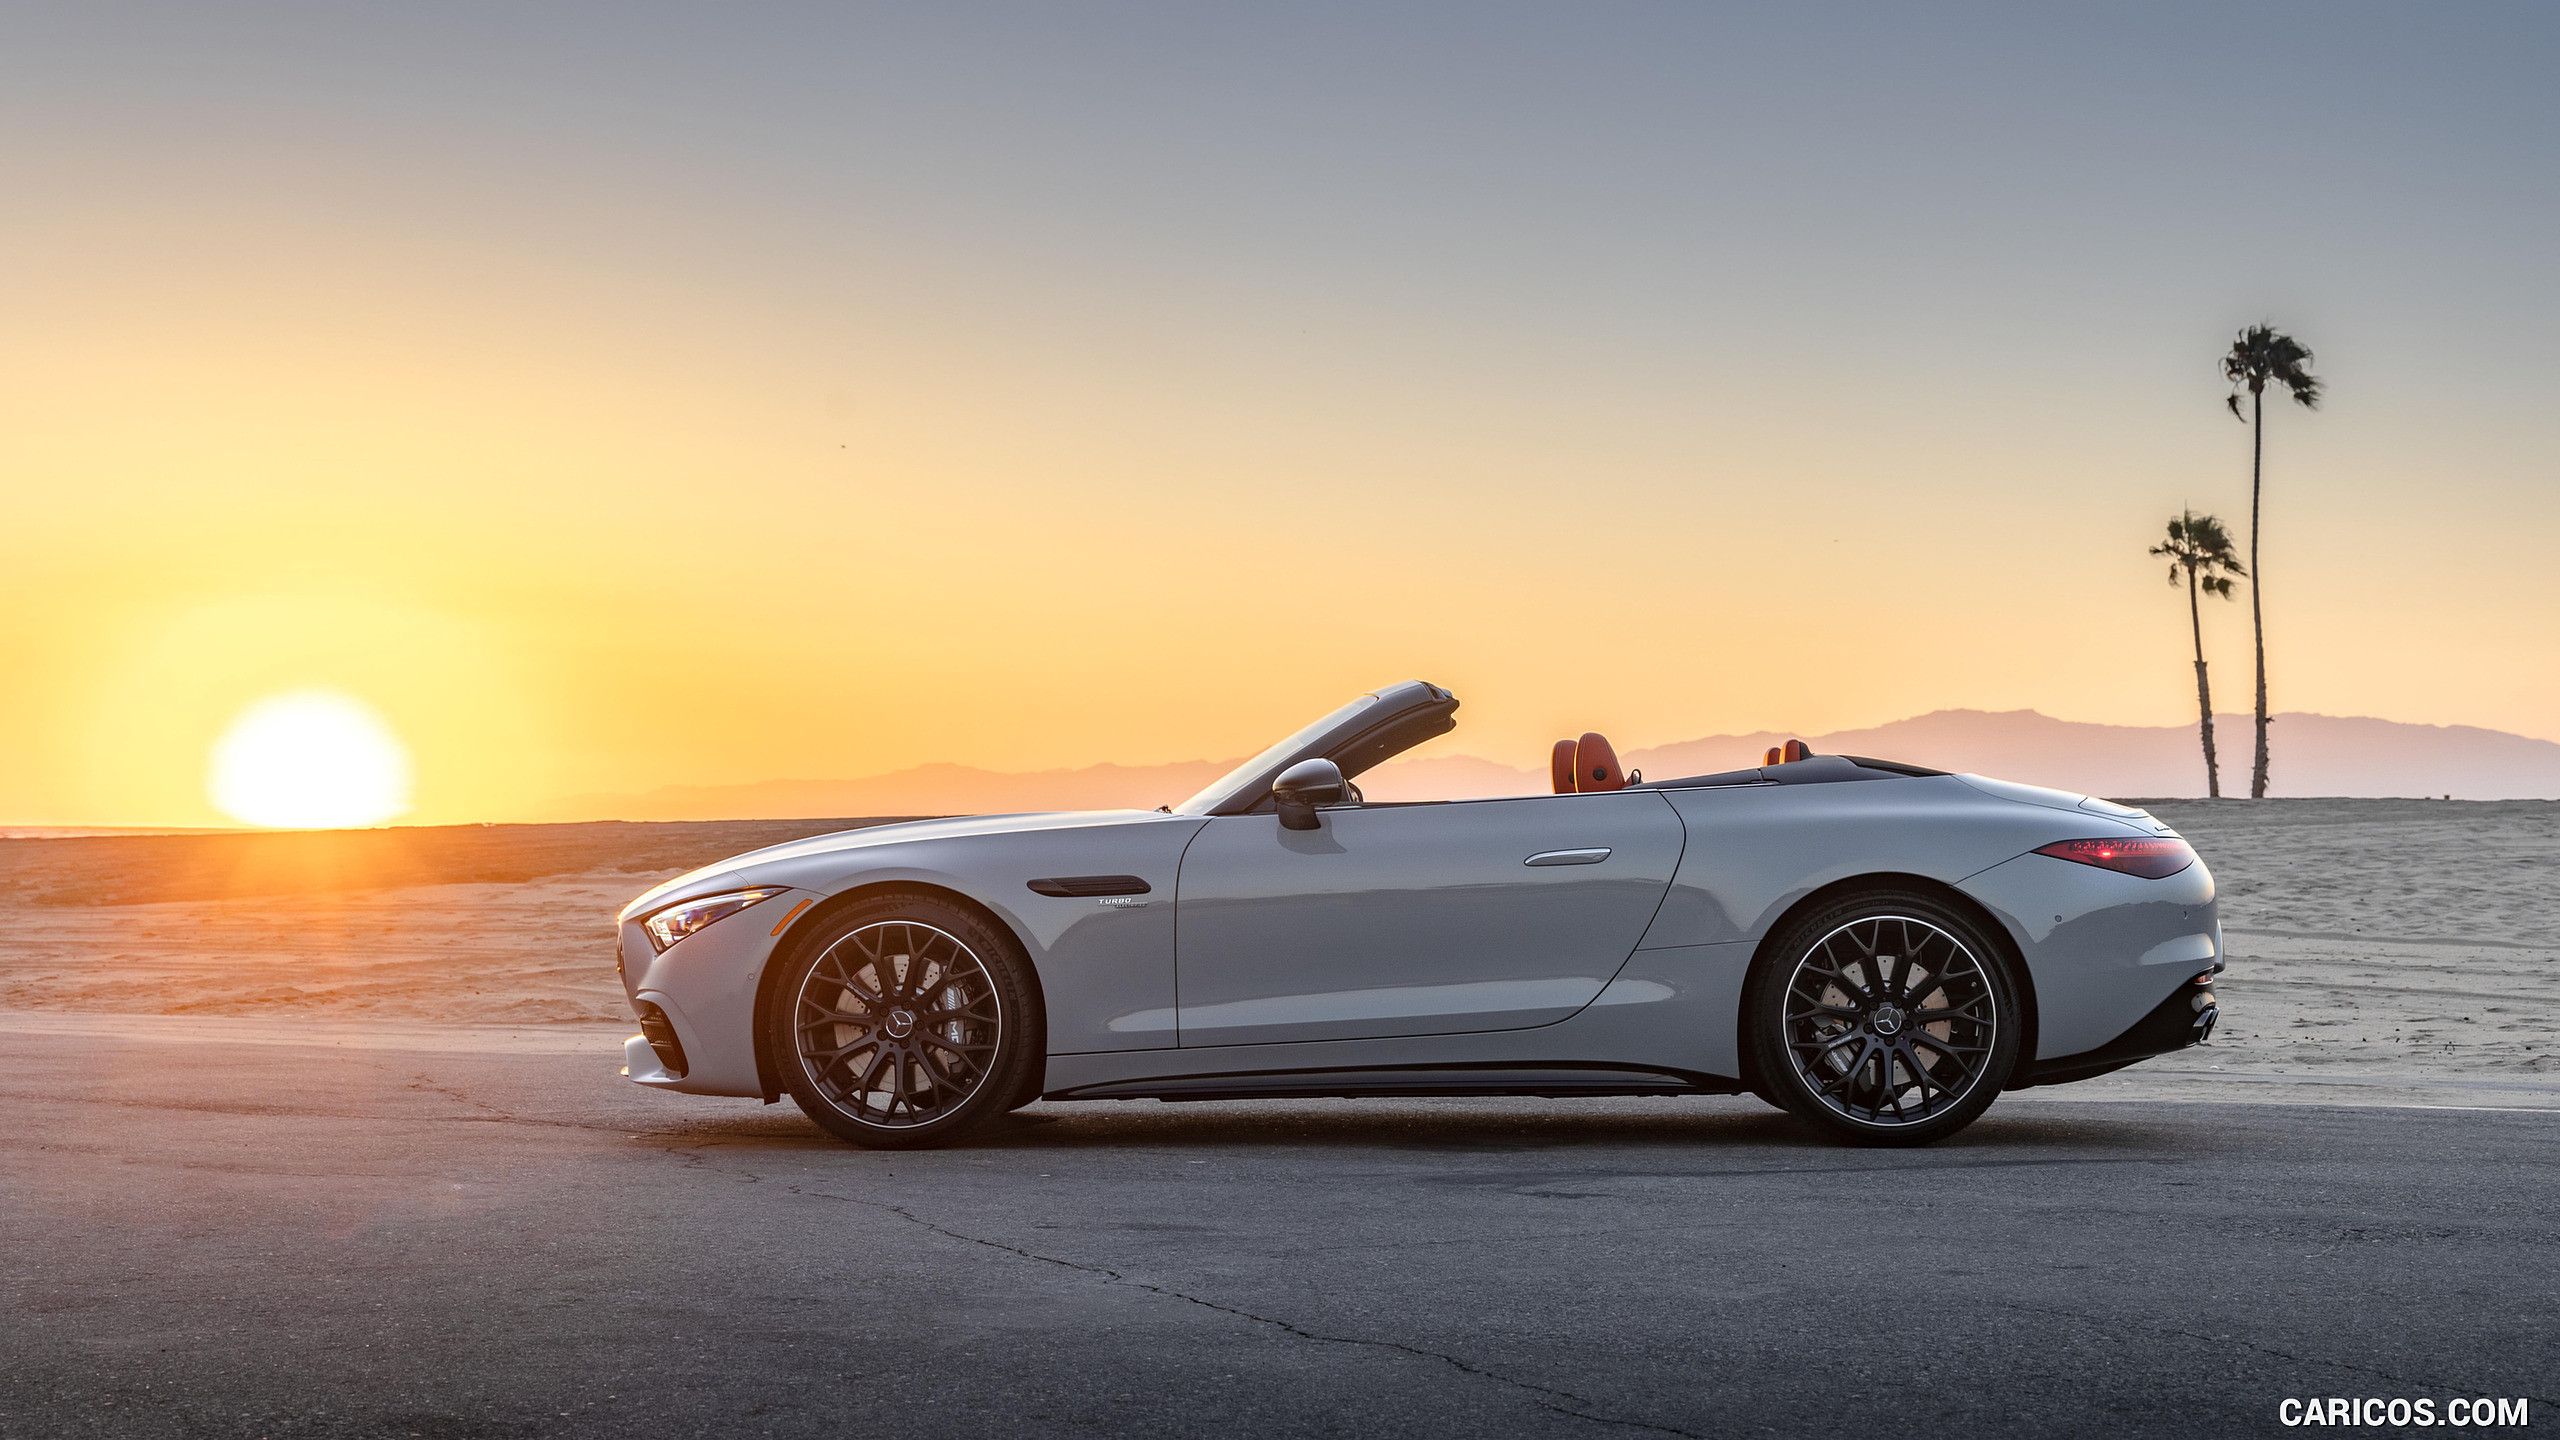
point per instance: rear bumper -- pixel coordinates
(2186, 1018)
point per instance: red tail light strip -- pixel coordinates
(2150, 859)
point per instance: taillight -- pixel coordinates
(2150, 859)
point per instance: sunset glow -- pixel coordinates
(1004, 415)
(309, 760)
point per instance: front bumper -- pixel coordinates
(703, 990)
(641, 1066)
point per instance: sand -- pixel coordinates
(2405, 951)
(2377, 948)
(497, 925)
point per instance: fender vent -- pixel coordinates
(1076, 887)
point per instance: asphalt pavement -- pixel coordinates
(226, 1239)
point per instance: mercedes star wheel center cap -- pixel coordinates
(1888, 1020)
(900, 1022)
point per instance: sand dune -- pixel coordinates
(2370, 938)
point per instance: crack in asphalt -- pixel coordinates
(431, 1087)
(1546, 1397)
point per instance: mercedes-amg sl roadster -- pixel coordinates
(1878, 948)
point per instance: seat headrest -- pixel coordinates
(1560, 763)
(1796, 750)
(1595, 765)
(1775, 756)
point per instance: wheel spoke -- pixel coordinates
(1825, 1047)
(946, 1074)
(1922, 1077)
(1857, 1066)
(827, 1062)
(1839, 980)
(829, 1015)
(868, 1082)
(948, 1012)
(1964, 1068)
(828, 1054)
(836, 976)
(1854, 1056)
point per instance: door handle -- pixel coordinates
(1569, 857)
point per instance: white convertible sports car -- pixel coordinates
(1880, 949)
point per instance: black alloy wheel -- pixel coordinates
(904, 1021)
(1884, 1019)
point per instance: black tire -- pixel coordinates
(1035, 1074)
(1834, 1015)
(904, 1021)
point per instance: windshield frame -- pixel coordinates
(1247, 785)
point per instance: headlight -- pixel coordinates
(679, 920)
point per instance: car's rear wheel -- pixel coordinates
(1885, 1018)
(904, 1021)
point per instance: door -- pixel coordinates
(1415, 919)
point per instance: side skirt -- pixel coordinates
(1545, 1081)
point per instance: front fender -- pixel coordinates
(1105, 968)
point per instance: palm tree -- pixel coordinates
(2199, 550)
(2258, 357)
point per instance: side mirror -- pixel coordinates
(1304, 786)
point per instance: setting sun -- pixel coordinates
(312, 759)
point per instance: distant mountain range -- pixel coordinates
(2314, 755)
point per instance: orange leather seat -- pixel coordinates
(1595, 765)
(1789, 753)
(1580, 767)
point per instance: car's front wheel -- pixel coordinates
(1887, 1018)
(904, 1021)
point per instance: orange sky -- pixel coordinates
(600, 457)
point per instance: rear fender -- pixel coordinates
(2104, 948)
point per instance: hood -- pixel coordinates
(730, 873)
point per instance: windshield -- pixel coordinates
(1220, 788)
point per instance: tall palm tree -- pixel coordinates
(2199, 550)
(2261, 357)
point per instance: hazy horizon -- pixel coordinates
(2327, 756)
(614, 397)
